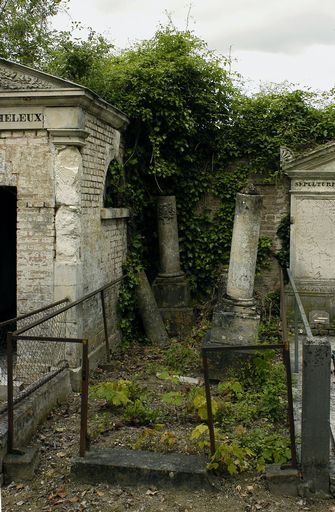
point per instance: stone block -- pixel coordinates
(171, 292)
(233, 328)
(282, 482)
(21, 465)
(178, 321)
(136, 467)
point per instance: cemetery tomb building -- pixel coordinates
(312, 235)
(57, 140)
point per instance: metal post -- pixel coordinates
(296, 338)
(315, 446)
(84, 400)
(108, 357)
(209, 404)
(10, 393)
(287, 363)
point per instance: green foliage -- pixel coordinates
(182, 356)
(129, 321)
(283, 232)
(115, 393)
(127, 395)
(193, 134)
(264, 253)
(251, 406)
(140, 413)
(197, 404)
(175, 398)
(25, 35)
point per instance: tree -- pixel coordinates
(25, 34)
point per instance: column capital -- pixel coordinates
(68, 136)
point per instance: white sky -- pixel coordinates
(271, 40)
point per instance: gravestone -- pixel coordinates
(312, 236)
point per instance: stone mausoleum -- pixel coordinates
(312, 237)
(58, 240)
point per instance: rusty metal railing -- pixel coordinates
(31, 334)
(283, 347)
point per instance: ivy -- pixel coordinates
(192, 134)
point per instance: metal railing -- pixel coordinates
(11, 325)
(43, 335)
(298, 312)
(283, 347)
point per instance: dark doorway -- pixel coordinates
(7, 253)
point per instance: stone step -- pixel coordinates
(137, 467)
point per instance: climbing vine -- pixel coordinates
(193, 134)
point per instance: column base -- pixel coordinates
(235, 323)
(171, 291)
(178, 321)
(173, 299)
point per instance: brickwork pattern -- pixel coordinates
(26, 162)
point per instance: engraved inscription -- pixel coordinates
(310, 183)
(21, 118)
(36, 117)
(166, 212)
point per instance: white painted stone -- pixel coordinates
(68, 169)
(313, 237)
(67, 224)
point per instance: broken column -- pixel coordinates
(152, 321)
(235, 320)
(171, 287)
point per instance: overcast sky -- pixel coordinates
(269, 40)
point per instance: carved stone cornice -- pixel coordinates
(310, 160)
(68, 137)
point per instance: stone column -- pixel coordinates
(243, 253)
(168, 237)
(235, 320)
(68, 271)
(171, 288)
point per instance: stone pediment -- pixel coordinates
(319, 159)
(16, 77)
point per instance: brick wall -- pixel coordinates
(276, 205)
(26, 162)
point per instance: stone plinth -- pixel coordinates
(171, 287)
(312, 237)
(235, 320)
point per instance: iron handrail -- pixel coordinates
(69, 306)
(32, 313)
(300, 306)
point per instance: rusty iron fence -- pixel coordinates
(283, 347)
(25, 373)
(43, 346)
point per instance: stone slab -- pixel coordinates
(171, 292)
(136, 467)
(21, 466)
(178, 321)
(282, 482)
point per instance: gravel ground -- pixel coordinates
(54, 490)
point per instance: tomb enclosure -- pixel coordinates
(312, 236)
(57, 140)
